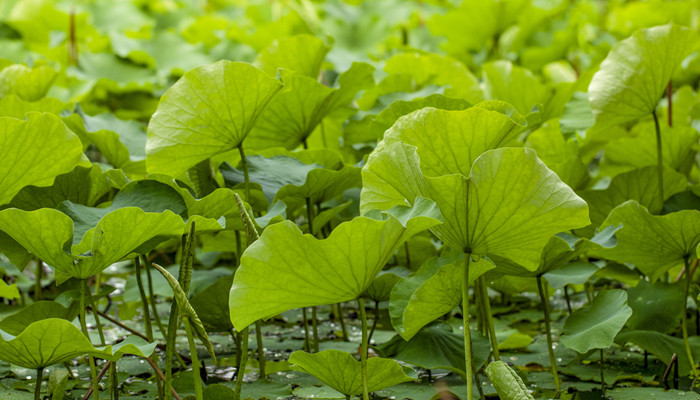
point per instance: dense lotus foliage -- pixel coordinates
(348, 199)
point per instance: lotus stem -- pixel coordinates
(467, 335)
(160, 375)
(37, 389)
(236, 336)
(152, 298)
(199, 395)
(261, 350)
(489, 318)
(408, 254)
(547, 326)
(602, 373)
(37, 284)
(375, 322)
(84, 293)
(364, 350)
(659, 157)
(101, 375)
(310, 216)
(684, 320)
(241, 367)
(314, 324)
(144, 301)
(343, 328)
(95, 315)
(114, 380)
(669, 100)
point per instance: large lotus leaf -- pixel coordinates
(303, 103)
(108, 72)
(300, 53)
(596, 326)
(629, 153)
(448, 142)
(285, 269)
(34, 152)
(436, 346)
(380, 288)
(321, 185)
(30, 84)
(433, 291)
(575, 273)
(44, 343)
(15, 323)
(656, 306)
(211, 305)
(210, 110)
(653, 243)
(342, 372)
(434, 69)
(633, 76)
(559, 251)
(560, 155)
(510, 205)
(13, 106)
(508, 384)
(516, 85)
(663, 346)
(388, 116)
(82, 186)
(131, 345)
(326, 157)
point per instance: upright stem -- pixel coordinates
(365, 348)
(566, 296)
(684, 320)
(467, 335)
(149, 278)
(341, 317)
(246, 177)
(114, 380)
(376, 320)
(37, 284)
(241, 367)
(73, 51)
(144, 301)
(84, 293)
(669, 100)
(489, 318)
(547, 325)
(408, 255)
(310, 216)
(305, 320)
(261, 350)
(602, 373)
(314, 322)
(37, 389)
(95, 314)
(659, 157)
(197, 379)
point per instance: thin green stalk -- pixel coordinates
(408, 254)
(489, 318)
(310, 216)
(84, 293)
(478, 381)
(37, 284)
(197, 379)
(365, 348)
(261, 350)
(602, 373)
(305, 320)
(246, 176)
(241, 367)
(314, 324)
(547, 325)
(98, 322)
(151, 296)
(341, 318)
(37, 389)
(659, 157)
(467, 334)
(144, 301)
(114, 380)
(376, 320)
(684, 320)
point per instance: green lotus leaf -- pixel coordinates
(29, 84)
(435, 69)
(300, 53)
(285, 269)
(106, 71)
(560, 155)
(303, 103)
(596, 326)
(133, 345)
(508, 384)
(380, 288)
(82, 186)
(628, 153)
(475, 220)
(634, 75)
(17, 322)
(436, 346)
(575, 273)
(433, 291)
(44, 343)
(10, 292)
(513, 84)
(34, 152)
(210, 110)
(12, 106)
(656, 306)
(663, 346)
(640, 185)
(211, 305)
(654, 244)
(341, 371)
(321, 185)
